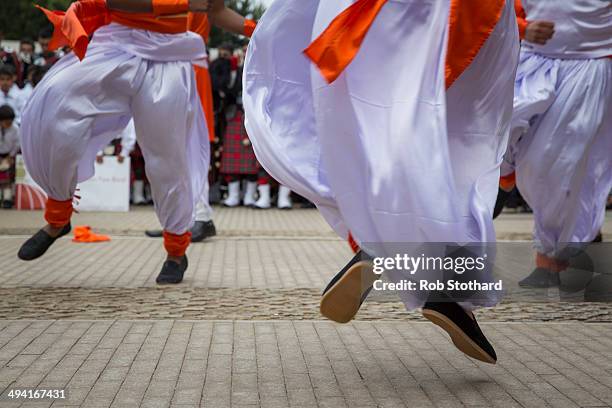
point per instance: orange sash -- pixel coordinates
(470, 24)
(74, 26)
(521, 18)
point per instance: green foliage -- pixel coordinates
(20, 19)
(248, 8)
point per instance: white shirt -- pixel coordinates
(26, 91)
(9, 140)
(15, 100)
(583, 28)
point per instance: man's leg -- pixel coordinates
(204, 227)
(58, 141)
(565, 165)
(171, 132)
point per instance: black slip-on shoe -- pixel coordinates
(345, 293)
(154, 233)
(172, 272)
(541, 278)
(38, 244)
(598, 238)
(462, 328)
(502, 197)
(202, 230)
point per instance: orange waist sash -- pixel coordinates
(470, 24)
(74, 26)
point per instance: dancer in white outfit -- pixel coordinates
(404, 144)
(138, 65)
(561, 135)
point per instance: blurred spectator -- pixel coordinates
(7, 56)
(10, 94)
(120, 147)
(9, 148)
(46, 57)
(221, 78)
(25, 59)
(238, 161)
(34, 76)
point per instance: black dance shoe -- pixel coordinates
(202, 230)
(38, 244)
(461, 327)
(154, 233)
(502, 197)
(345, 293)
(172, 272)
(541, 278)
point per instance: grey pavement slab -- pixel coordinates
(240, 222)
(302, 364)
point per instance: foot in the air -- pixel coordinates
(541, 278)
(38, 244)
(202, 230)
(345, 293)
(172, 272)
(461, 326)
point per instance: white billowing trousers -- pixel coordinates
(561, 146)
(385, 151)
(81, 105)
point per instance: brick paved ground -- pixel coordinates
(303, 364)
(244, 330)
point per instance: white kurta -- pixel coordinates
(385, 151)
(561, 144)
(80, 106)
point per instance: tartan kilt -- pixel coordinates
(237, 158)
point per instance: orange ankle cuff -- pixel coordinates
(176, 245)
(552, 264)
(58, 213)
(508, 182)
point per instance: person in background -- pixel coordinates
(122, 146)
(9, 148)
(7, 55)
(25, 59)
(264, 188)
(561, 128)
(10, 94)
(28, 83)
(46, 57)
(238, 160)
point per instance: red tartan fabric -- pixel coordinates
(237, 157)
(138, 165)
